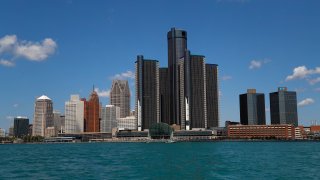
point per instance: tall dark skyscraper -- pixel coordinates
(198, 103)
(252, 108)
(164, 95)
(177, 45)
(212, 95)
(283, 107)
(147, 92)
(21, 126)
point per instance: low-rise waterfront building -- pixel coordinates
(282, 131)
(129, 123)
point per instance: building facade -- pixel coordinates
(164, 95)
(120, 96)
(198, 99)
(284, 131)
(252, 108)
(74, 115)
(109, 116)
(20, 126)
(127, 123)
(283, 107)
(43, 115)
(147, 92)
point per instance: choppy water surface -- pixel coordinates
(214, 160)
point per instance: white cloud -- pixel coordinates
(306, 102)
(302, 72)
(225, 78)
(125, 75)
(317, 89)
(16, 105)
(102, 93)
(256, 64)
(32, 51)
(267, 109)
(36, 51)
(7, 63)
(7, 43)
(313, 81)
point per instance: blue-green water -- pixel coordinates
(218, 160)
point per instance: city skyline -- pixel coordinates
(71, 60)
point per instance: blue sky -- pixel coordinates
(59, 48)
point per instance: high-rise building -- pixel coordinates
(74, 115)
(59, 122)
(43, 115)
(109, 115)
(92, 122)
(252, 108)
(283, 107)
(198, 103)
(212, 95)
(147, 92)
(120, 96)
(20, 126)
(177, 45)
(164, 95)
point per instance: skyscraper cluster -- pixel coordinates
(184, 94)
(283, 107)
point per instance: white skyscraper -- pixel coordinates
(109, 115)
(43, 116)
(74, 115)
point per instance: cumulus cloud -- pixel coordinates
(7, 63)
(302, 72)
(225, 78)
(256, 64)
(36, 51)
(102, 93)
(125, 75)
(306, 102)
(14, 48)
(16, 105)
(7, 43)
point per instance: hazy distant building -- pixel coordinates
(212, 95)
(109, 116)
(92, 119)
(283, 107)
(128, 123)
(58, 122)
(43, 115)
(2, 132)
(20, 126)
(120, 96)
(147, 92)
(252, 108)
(74, 115)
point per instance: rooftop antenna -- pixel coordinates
(92, 88)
